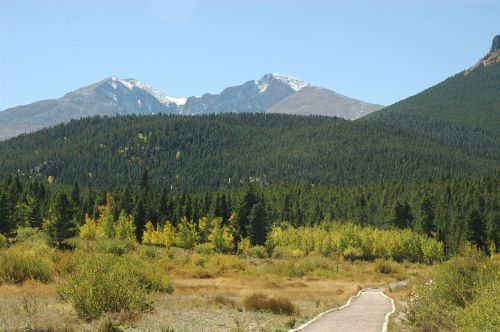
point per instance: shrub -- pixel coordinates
(115, 247)
(353, 253)
(106, 283)
(209, 266)
(278, 306)
(107, 325)
(24, 234)
(459, 295)
(257, 252)
(385, 266)
(244, 246)
(204, 248)
(285, 268)
(18, 264)
(151, 279)
(148, 252)
(287, 253)
(223, 301)
(482, 313)
(3, 241)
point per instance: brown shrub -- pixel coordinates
(278, 305)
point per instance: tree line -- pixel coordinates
(450, 210)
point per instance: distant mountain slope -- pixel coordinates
(211, 151)
(319, 101)
(252, 96)
(115, 96)
(112, 96)
(463, 110)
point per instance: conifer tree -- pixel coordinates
(139, 218)
(246, 205)
(257, 224)
(60, 225)
(402, 216)
(6, 222)
(426, 218)
(477, 229)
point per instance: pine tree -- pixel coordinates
(402, 216)
(60, 225)
(477, 229)
(144, 180)
(139, 218)
(76, 201)
(6, 222)
(163, 214)
(257, 224)
(246, 205)
(426, 218)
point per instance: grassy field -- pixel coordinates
(212, 291)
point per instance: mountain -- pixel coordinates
(463, 110)
(252, 96)
(449, 130)
(275, 93)
(319, 101)
(112, 96)
(278, 93)
(206, 152)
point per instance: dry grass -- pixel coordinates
(216, 303)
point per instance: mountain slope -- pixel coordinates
(463, 110)
(112, 96)
(252, 96)
(211, 151)
(115, 96)
(319, 101)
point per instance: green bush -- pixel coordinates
(204, 248)
(151, 279)
(482, 314)
(24, 234)
(3, 242)
(257, 252)
(461, 296)
(278, 306)
(19, 263)
(105, 283)
(115, 247)
(209, 266)
(287, 253)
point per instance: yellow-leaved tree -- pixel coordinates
(187, 235)
(125, 228)
(221, 237)
(88, 230)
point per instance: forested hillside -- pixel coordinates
(463, 111)
(209, 152)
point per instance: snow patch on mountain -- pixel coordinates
(162, 98)
(293, 82)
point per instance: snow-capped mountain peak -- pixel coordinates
(131, 83)
(293, 82)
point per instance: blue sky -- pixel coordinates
(380, 51)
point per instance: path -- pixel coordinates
(367, 312)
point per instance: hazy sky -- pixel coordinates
(379, 51)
